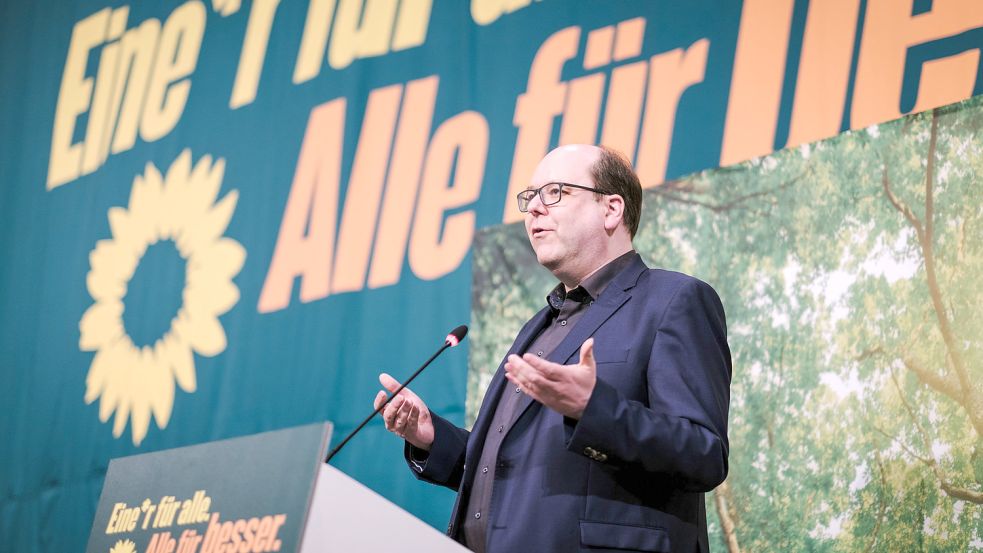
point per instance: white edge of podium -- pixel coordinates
(347, 516)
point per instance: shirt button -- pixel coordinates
(591, 303)
(539, 353)
(517, 389)
(477, 515)
(484, 470)
(563, 323)
(500, 428)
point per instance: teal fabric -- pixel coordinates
(310, 361)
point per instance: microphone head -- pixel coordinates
(456, 335)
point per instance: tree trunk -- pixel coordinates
(721, 499)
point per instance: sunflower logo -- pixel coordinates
(179, 211)
(123, 546)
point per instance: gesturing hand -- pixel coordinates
(406, 415)
(563, 388)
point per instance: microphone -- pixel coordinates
(452, 339)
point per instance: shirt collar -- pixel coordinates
(591, 287)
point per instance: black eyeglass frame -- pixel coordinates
(539, 192)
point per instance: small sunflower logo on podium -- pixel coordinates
(124, 546)
(144, 326)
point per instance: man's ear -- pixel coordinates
(614, 212)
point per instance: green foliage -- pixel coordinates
(850, 272)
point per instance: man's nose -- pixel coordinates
(536, 206)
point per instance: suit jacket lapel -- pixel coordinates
(612, 298)
(498, 382)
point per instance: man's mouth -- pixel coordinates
(537, 232)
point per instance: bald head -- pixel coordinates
(571, 163)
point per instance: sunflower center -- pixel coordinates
(154, 294)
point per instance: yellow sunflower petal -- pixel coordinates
(122, 414)
(119, 361)
(222, 259)
(203, 333)
(146, 190)
(111, 269)
(174, 210)
(105, 286)
(204, 230)
(201, 170)
(210, 296)
(179, 172)
(161, 386)
(101, 325)
(125, 233)
(141, 392)
(205, 183)
(99, 375)
(177, 353)
(145, 199)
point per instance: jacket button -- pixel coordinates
(595, 454)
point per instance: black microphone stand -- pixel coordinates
(351, 434)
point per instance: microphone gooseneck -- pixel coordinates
(453, 339)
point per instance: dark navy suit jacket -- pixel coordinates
(632, 472)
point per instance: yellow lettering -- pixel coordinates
(487, 11)
(73, 98)
(314, 40)
(102, 111)
(253, 52)
(411, 24)
(358, 35)
(136, 59)
(177, 56)
(361, 29)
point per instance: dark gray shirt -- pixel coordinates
(566, 308)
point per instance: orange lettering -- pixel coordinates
(403, 181)
(670, 75)
(535, 110)
(364, 193)
(756, 87)
(824, 70)
(433, 255)
(889, 30)
(306, 241)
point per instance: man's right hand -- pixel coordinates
(406, 415)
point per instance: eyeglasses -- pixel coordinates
(550, 193)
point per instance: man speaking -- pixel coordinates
(607, 420)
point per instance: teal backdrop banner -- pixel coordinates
(221, 218)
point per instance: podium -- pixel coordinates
(265, 492)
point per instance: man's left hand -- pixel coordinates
(563, 388)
